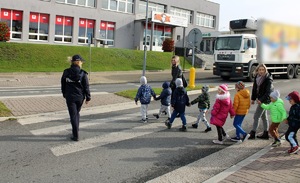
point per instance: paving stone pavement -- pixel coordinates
(276, 166)
(273, 165)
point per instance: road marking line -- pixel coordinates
(45, 117)
(47, 95)
(61, 128)
(114, 137)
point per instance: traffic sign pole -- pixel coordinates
(194, 37)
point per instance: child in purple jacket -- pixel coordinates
(223, 106)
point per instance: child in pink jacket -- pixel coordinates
(223, 106)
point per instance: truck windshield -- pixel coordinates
(228, 43)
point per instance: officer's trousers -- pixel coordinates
(74, 108)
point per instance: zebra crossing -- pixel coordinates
(138, 129)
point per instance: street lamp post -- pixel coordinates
(145, 42)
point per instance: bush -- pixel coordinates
(168, 45)
(4, 32)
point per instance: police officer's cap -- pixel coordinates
(77, 58)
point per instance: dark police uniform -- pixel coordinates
(75, 89)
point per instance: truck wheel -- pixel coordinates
(296, 74)
(252, 74)
(290, 72)
(226, 78)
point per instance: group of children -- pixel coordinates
(223, 106)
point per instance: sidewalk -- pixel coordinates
(268, 165)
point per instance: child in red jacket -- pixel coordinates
(223, 106)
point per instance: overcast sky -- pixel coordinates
(286, 11)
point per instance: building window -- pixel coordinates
(205, 20)
(151, 7)
(125, 6)
(182, 13)
(14, 20)
(38, 27)
(107, 31)
(63, 29)
(160, 33)
(86, 3)
(86, 27)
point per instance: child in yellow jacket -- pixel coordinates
(241, 105)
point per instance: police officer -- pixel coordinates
(75, 89)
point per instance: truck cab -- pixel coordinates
(235, 53)
(251, 42)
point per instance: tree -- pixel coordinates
(168, 45)
(4, 32)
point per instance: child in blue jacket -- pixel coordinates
(293, 121)
(165, 99)
(179, 100)
(143, 95)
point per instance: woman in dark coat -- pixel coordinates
(262, 87)
(176, 71)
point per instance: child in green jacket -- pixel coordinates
(203, 101)
(278, 114)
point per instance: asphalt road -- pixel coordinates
(14, 92)
(115, 147)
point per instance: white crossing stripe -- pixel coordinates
(32, 119)
(44, 95)
(114, 137)
(61, 128)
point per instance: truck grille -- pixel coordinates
(229, 57)
(226, 68)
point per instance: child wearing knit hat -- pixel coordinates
(143, 95)
(219, 113)
(179, 101)
(278, 114)
(203, 101)
(241, 105)
(293, 121)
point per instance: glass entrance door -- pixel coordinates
(160, 33)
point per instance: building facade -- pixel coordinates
(114, 23)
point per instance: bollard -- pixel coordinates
(192, 78)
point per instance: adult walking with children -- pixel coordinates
(75, 89)
(176, 71)
(261, 90)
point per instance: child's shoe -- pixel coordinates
(208, 129)
(195, 125)
(168, 124)
(226, 137)
(235, 139)
(217, 142)
(156, 115)
(165, 113)
(144, 121)
(246, 137)
(276, 143)
(183, 128)
(294, 150)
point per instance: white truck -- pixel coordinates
(252, 42)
